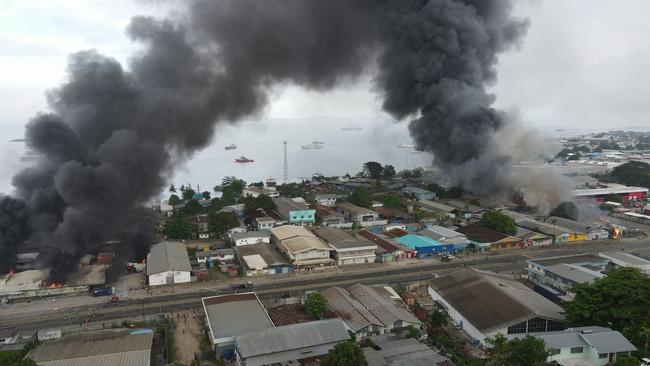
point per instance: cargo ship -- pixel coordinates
(231, 147)
(243, 159)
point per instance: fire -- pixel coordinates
(142, 261)
(53, 285)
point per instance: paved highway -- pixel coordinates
(26, 318)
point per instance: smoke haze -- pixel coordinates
(114, 135)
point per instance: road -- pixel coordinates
(32, 316)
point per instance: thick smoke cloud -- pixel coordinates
(14, 230)
(114, 135)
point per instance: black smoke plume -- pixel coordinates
(114, 135)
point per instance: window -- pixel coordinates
(576, 350)
(537, 325)
(555, 351)
(517, 328)
(602, 355)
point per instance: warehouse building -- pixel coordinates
(419, 193)
(250, 237)
(262, 258)
(347, 248)
(489, 239)
(564, 272)
(426, 246)
(290, 343)
(391, 351)
(104, 348)
(167, 263)
(484, 304)
(230, 316)
(303, 249)
(620, 259)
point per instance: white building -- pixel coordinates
(303, 249)
(620, 259)
(264, 223)
(485, 304)
(250, 237)
(595, 346)
(167, 263)
(360, 215)
(328, 200)
(255, 191)
(347, 248)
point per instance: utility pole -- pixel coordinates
(286, 165)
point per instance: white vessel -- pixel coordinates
(405, 146)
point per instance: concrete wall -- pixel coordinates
(161, 278)
(249, 241)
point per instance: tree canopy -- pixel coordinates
(174, 200)
(567, 210)
(192, 207)
(634, 173)
(345, 354)
(497, 221)
(253, 203)
(619, 301)
(625, 360)
(361, 197)
(177, 227)
(372, 169)
(388, 171)
(316, 305)
(392, 200)
(188, 193)
(526, 351)
(220, 222)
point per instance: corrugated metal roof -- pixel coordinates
(349, 310)
(490, 302)
(265, 250)
(104, 348)
(290, 337)
(339, 239)
(609, 342)
(417, 241)
(167, 256)
(304, 244)
(575, 273)
(289, 231)
(250, 234)
(235, 315)
(354, 209)
(383, 309)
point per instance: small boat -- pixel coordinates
(231, 147)
(243, 159)
(312, 147)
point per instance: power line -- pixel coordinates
(286, 165)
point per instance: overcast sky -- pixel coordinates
(583, 63)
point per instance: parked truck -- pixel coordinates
(102, 291)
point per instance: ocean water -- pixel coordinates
(261, 140)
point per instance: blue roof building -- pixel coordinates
(426, 246)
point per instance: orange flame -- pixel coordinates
(54, 285)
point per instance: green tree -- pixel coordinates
(177, 227)
(361, 197)
(619, 301)
(372, 169)
(388, 171)
(188, 194)
(206, 195)
(222, 221)
(527, 351)
(345, 354)
(567, 210)
(172, 189)
(174, 200)
(316, 305)
(413, 332)
(257, 184)
(634, 173)
(437, 320)
(234, 184)
(625, 360)
(192, 207)
(495, 220)
(253, 203)
(613, 198)
(392, 200)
